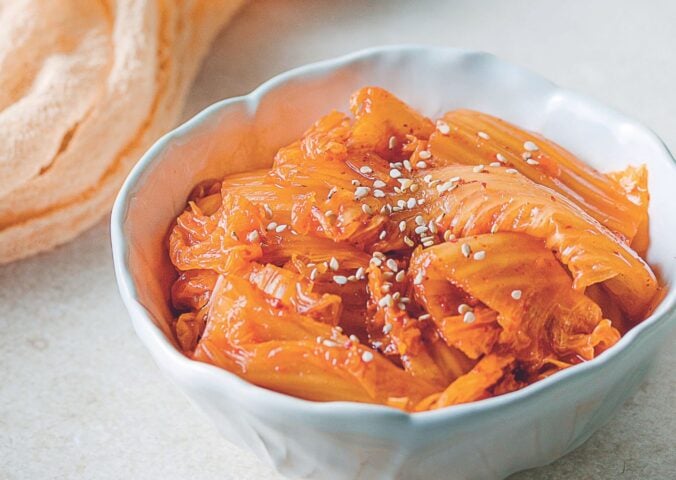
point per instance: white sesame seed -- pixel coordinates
(405, 182)
(379, 184)
(392, 142)
(365, 169)
(432, 226)
(421, 164)
(530, 146)
(386, 301)
(428, 243)
(478, 169)
(501, 158)
(448, 236)
(366, 208)
(494, 228)
(424, 155)
(495, 164)
(396, 164)
(397, 209)
(421, 201)
(413, 188)
(399, 277)
(281, 228)
(361, 192)
(397, 189)
(420, 229)
(376, 261)
(464, 308)
(511, 170)
(340, 279)
(353, 338)
(359, 273)
(469, 317)
(526, 155)
(386, 209)
(395, 173)
(408, 241)
(378, 193)
(480, 255)
(396, 296)
(433, 183)
(382, 235)
(411, 203)
(385, 288)
(419, 220)
(516, 294)
(329, 343)
(352, 278)
(443, 127)
(271, 226)
(530, 161)
(466, 250)
(367, 357)
(331, 193)
(313, 274)
(268, 210)
(427, 178)
(407, 165)
(392, 264)
(387, 328)
(253, 236)
(328, 213)
(418, 278)
(483, 135)
(446, 186)
(401, 203)
(402, 226)
(333, 264)
(355, 183)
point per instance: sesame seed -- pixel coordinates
(367, 357)
(401, 203)
(392, 264)
(280, 228)
(386, 301)
(446, 186)
(354, 338)
(407, 165)
(402, 306)
(366, 169)
(382, 235)
(379, 184)
(530, 146)
(378, 193)
(395, 173)
(355, 182)
(433, 183)
(397, 189)
(501, 158)
(386, 209)
(419, 220)
(352, 278)
(454, 179)
(271, 226)
(340, 279)
(408, 241)
(511, 170)
(424, 154)
(405, 183)
(413, 188)
(516, 294)
(483, 135)
(420, 229)
(329, 343)
(395, 296)
(361, 192)
(418, 278)
(399, 277)
(396, 164)
(530, 161)
(359, 273)
(495, 164)
(331, 193)
(464, 308)
(480, 255)
(421, 201)
(421, 164)
(411, 203)
(443, 128)
(387, 328)
(402, 226)
(366, 208)
(253, 236)
(268, 210)
(333, 264)
(478, 169)
(428, 243)
(466, 250)
(392, 142)
(385, 288)
(313, 274)
(397, 209)
(469, 317)
(526, 155)
(448, 236)
(494, 228)
(427, 178)
(432, 226)
(328, 213)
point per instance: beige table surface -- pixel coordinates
(80, 397)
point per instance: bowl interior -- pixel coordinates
(244, 133)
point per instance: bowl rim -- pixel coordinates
(156, 341)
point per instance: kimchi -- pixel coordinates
(391, 259)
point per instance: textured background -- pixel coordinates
(79, 396)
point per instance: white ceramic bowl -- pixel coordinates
(483, 440)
